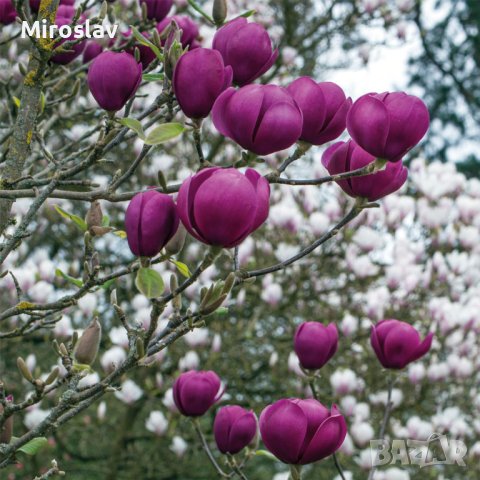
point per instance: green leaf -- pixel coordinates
(16, 101)
(105, 221)
(120, 233)
(142, 40)
(197, 8)
(33, 446)
(153, 77)
(164, 133)
(43, 102)
(108, 284)
(221, 311)
(134, 125)
(78, 283)
(149, 282)
(74, 218)
(182, 268)
(246, 14)
(265, 453)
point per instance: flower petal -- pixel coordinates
(283, 427)
(368, 124)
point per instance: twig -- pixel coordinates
(386, 417)
(206, 448)
(197, 138)
(356, 209)
(52, 472)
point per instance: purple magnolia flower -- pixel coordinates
(113, 78)
(234, 428)
(68, 11)
(151, 221)
(92, 50)
(76, 50)
(346, 156)
(221, 206)
(195, 392)
(299, 431)
(157, 9)
(198, 79)
(247, 48)
(261, 118)
(7, 12)
(324, 107)
(397, 343)
(388, 125)
(189, 28)
(315, 344)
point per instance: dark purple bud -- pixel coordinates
(298, 431)
(150, 222)
(198, 79)
(7, 12)
(388, 125)
(324, 107)
(234, 428)
(92, 50)
(76, 50)
(261, 118)
(195, 392)
(221, 206)
(189, 28)
(315, 344)
(344, 157)
(157, 9)
(67, 11)
(113, 78)
(397, 343)
(147, 55)
(247, 48)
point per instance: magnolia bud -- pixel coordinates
(52, 376)
(89, 343)
(7, 428)
(94, 215)
(103, 11)
(219, 12)
(173, 56)
(176, 243)
(22, 366)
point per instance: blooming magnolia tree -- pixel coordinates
(215, 276)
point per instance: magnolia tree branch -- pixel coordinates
(354, 212)
(107, 194)
(51, 472)
(28, 111)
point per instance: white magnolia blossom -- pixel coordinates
(112, 358)
(34, 417)
(156, 423)
(178, 446)
(129, 392)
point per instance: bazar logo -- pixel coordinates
(437, 450)
(40, 29)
